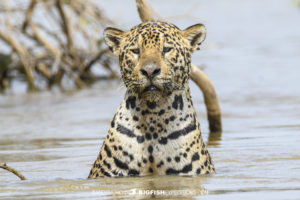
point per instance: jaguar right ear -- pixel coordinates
(195, 35)
(112, 38)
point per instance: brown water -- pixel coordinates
(252, 55)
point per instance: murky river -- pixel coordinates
(252, 55)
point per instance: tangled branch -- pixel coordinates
(57, 40)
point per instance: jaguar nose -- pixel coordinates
(150, 71)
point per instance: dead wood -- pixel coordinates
(58, 44)
(15, 172)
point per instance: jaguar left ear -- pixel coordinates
(195, 35)
(112, 38)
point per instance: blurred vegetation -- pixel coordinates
(296, 2)
(52, 42)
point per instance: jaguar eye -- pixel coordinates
(167, 49)
(135, 51)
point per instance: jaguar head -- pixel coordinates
(155, 57)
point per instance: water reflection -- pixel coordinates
(214, 139)
(155, 187)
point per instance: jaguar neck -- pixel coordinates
(167, 114)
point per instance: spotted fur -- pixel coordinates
(155, 129)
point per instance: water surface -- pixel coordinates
(252, 55)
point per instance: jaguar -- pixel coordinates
(155, 130)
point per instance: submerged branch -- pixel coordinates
(15, 172)
(210, 99)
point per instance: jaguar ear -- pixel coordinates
(195, 35)
(112, 38)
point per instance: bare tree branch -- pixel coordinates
(24, 56)
(65, 25)
(57, 45)
(28, 14)
(95, 59)
(144, 10)
(15, 172)
(210, 99)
